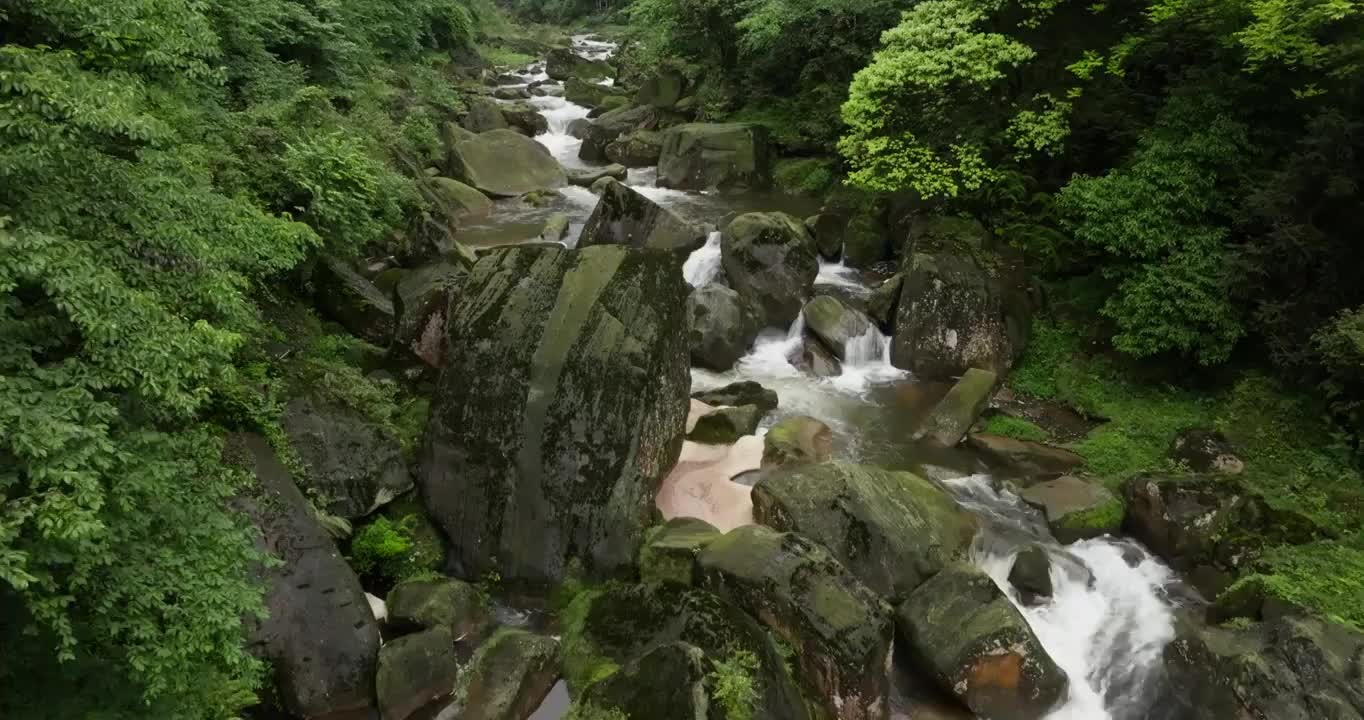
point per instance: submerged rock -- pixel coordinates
(1076, 509)
(770, 259)
(893, 530)
(724, 426)
(962, 628)
(835, 323)
(503, 163)
(723, 326)
(509, 676)
(625, 217)
(354, 302)
(349, 460)
(414, 671)
(560, 456)
(797, 440)
(700, 156)
(954, 415)
(744, 392)
(840, 630)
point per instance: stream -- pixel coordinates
(1112, 611)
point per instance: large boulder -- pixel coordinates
(586, 177)
(350, 461)
(606, 128)
(348, 298)
(525, 119)
(447, 603)
(1023, 458)
(319, 636)
(661, 90)
(893, 530)
(587, 94)
(1075, 508)
(827, 229)
(504, 163)
(665, 683)
(459, 200)
(954, 415)
(770, 259)
(963, 629)
(866, 240)
(509, 676)
(958, 311)
(817, 359)
(625, 217)
(484, 114)
(724, 426)
(884, 300)
(840, 630)
(744, 392)
(723, 326)
(562, 64)
(421, 299)
(797, 440)
(669, 552)
(558, 455)
(414, 672)
(640, 148)
(835, 324)
(701, 156)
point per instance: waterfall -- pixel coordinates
(866, 362)
(703, 265)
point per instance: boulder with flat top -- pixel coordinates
(505, 163)
(702, 156)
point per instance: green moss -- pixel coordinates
(584, 664)
(503, 57)
(805, 176)
(1325, 576)
(1108, 515)
(1017, 428)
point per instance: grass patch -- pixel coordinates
(502, 57)
(1017, 428)
(1326, 576)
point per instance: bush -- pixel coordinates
(733, 686)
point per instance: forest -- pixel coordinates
(1182, 178)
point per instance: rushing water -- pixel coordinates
(1110, 614)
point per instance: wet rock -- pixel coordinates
(662, 90)
(957, 412)
(1031, 574)
(445, 603)
(962, 628)
(351, 300)
(414, 671)
(526, 119)
(893, 530)
(817, 359)
(460, 200)
(866, 240)
(503, 163)
(724, 426)
(700, 156)
(797, 440)
(1076, 509)
(958, 311)
(509, 676)
(840, 630)
(1023, 457)
(744, 392)
(611, 125)
(562, 64)
(587, 94)
(320, 638)
(884, 300)
(579, 128)
(665, 683)
(547, 90)
(640, 148)
(511, 93)
(541, 198)
(835, 323)
(669, 552)
(352, 464)
(561, 456)
(600, 186)
(827, 229)
(770, 259)
(484, 114)
(421, 301)
(1205, 451)
(625, 217)
(723, 326)
(587, 177)
(556, 227)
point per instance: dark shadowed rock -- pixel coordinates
(415, 671)
(669, 552)
(320, 638)
(723, 326)
(354, 302)
(724, 426)
(954, 415)
(579, 128)
(638, 149)
(665, 683)
(611, 125)
(484, 114)
(421, 300)
(445, 602)
(509, 676)
(884, 300)
(558, 454)
(817, 359)
(525, 118)
(625, 217)
(797, 440)
(503, 163)
(744, 392)
(770, 259)
(700, 156)
(827, 229)
(1023, 457)
(1205, 451)
(1075, 508)
(349, 460)
(866, 241)
(1031, 574)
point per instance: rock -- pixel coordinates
(865, 241)
(957, 412)
(770, 260)
(562, 64)
(352, 464)
(561, 456)
(509, 676)
(960, 626)
(669, 552)
(638, 149)
(797, 440)
(724, 426)
(840, 630)
(349, 299)
(665, 683)
(1076, 509)
(625, 217)
(319, 636)
(484, 114)
(893, 530)
(460, 200)
(503, 163)
(606, 128)
(587, 177)
(662, 90)
(957, 312)
(1023, 457)
(817, 359)
(556, 227)
(541, 198)
(511, 93)
(884, 300)
(1205, 451)
(414, 671)
(827, 229)
(526, 119)
(723, 326)
(744, 392)
(599, 187)
(445, 603)
(835, 323)
(700, 156)
(609, 103)
(421, 301)
(587, 94)
(1031, 574)
(547, 90)
(946, 233)
(579, 128)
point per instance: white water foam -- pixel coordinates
(703, 265)
(840, 275)
(866, 362)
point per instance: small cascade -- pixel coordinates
(703, 265)
(866, 362)
(840, 275)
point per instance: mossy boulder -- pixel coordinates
(587, 177)
(509, 676)
(723, 326)
(1205, 451)
(866, 241)
(744, 392)
(770, 260)
(561, 455)
(797, 440)
(609, 126)
(355, 303)
(351, 462)
(484, 114)
(640, 148)
(701, 156)
(582, 92)
(954, 415)
(724, 426)
(929, 233)
(665, 683)
(662, 90)
(960, 627)
(503, 163)
(835, 324)
(525, 119)
(893, 530)
(669, 552)
(562, 64)
(1023, 458)
(414, 672)
(840, 630)
(827, 229)
(555, 229)
(817, 359)
(421, 299)
(440, 602)
(459, 200)
(625, 217)
(885, 298)
(1075, 508)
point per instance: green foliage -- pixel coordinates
(1018, 428)
(732, 684)
(1326, 576)
(1341, 346)
(384, 550)
(805, 176)
(589, 711)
